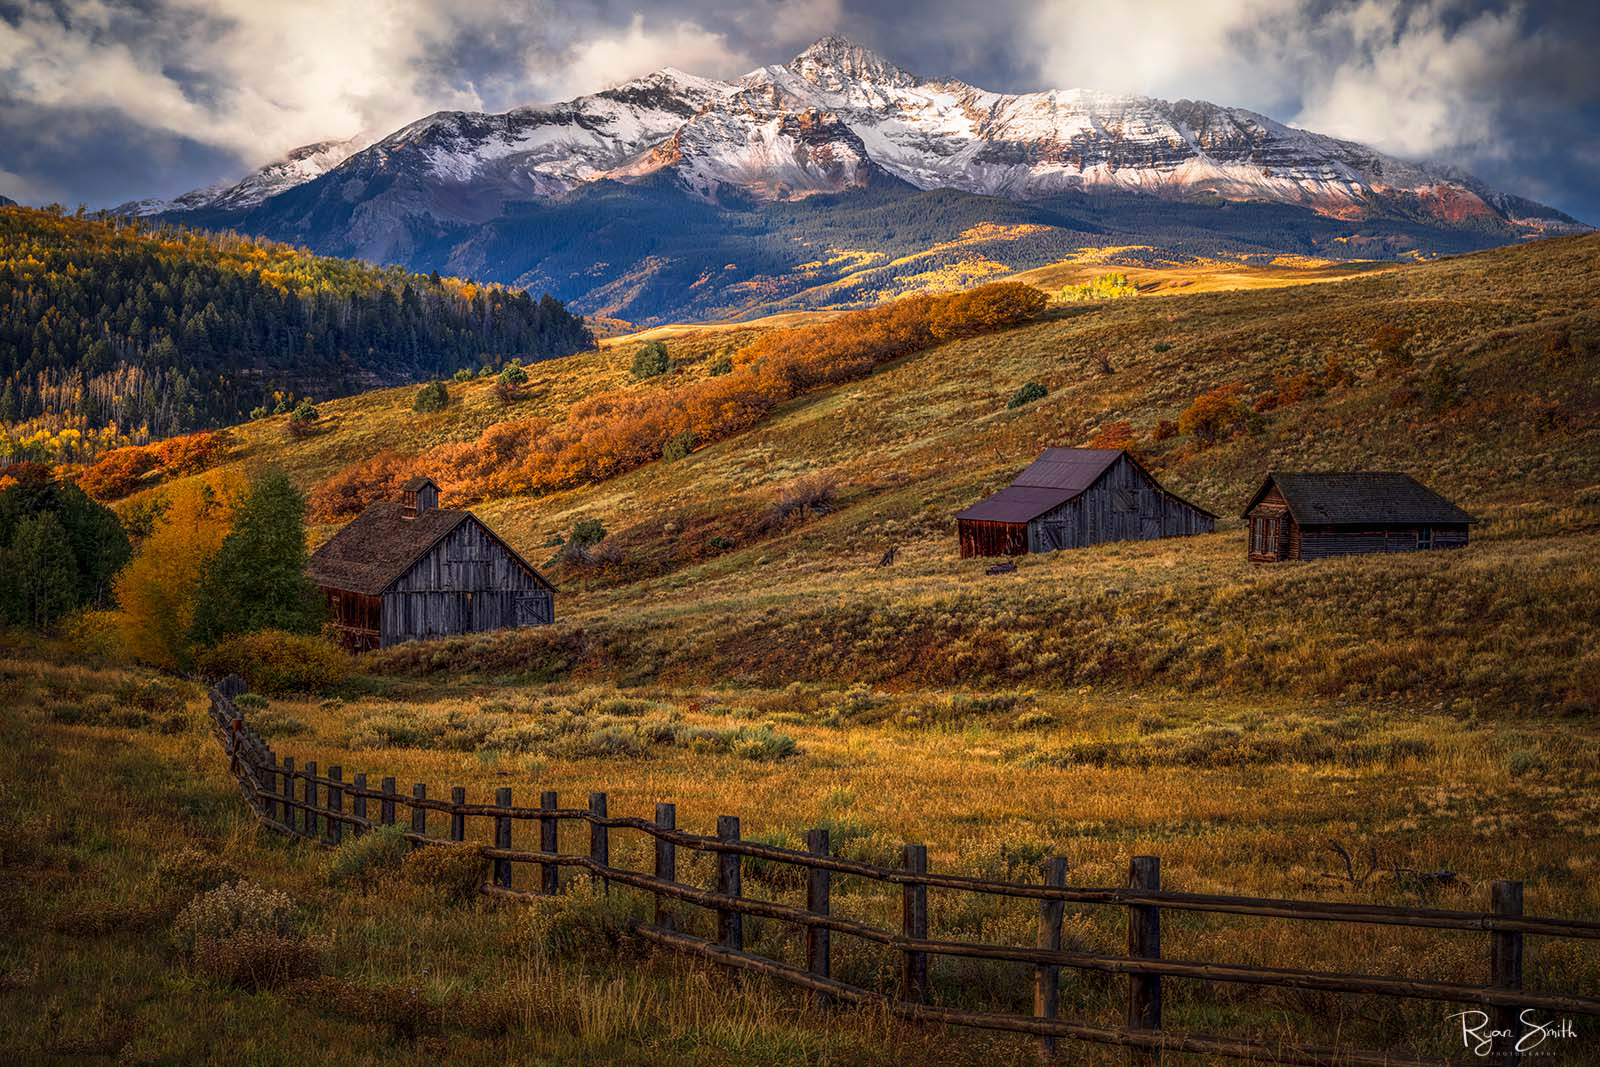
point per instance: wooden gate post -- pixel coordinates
(358, 802)
(335, 805)
(549, 841)
(914, 926)
(1505, 969)
(288, 793)
(599, 838)
(819, 890)
(1046, 987)
(419, 814)
(386, 804)
(502, 837)
(272, 784)
(1144, 942)
(458, 821)
(730, 924)
(311, 799)
(666, 862)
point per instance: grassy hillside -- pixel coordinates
(1431, 715)
(1478, 375)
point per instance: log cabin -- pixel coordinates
(409, 569)
(1074, 497)
(1313, 516)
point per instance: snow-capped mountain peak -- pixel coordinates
(839, 114)
(834, 64)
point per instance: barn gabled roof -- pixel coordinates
(1344, 498)
(1058, 475)
(381, 544)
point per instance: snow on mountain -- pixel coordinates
(296, 168)
(839, 114)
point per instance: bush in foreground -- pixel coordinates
(457, 870)
(365, 859)
(277, 662)
(244, 935)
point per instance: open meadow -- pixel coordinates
(1393, 729)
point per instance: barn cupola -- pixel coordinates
(418, 495)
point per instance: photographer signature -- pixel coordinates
(1477, 1035)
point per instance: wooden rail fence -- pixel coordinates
(310, 803)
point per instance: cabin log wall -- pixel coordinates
(468, 582)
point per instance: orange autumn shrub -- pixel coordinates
(118, 472)
(613, 432)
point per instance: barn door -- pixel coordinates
(1055, 536)
(533, 609)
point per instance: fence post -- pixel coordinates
(1505, 968)
(914, 925)
(549, 841)
(419, 814)
(288, 793)
(666, 862)
(1046, 990)
(730, 924)
(335, 804)
(358, 802)
(386, 804)
(272, 784)
(1144, 942)
(502, 837)
(311, 799)
(458, 821)
(599, 838)
(819, 888)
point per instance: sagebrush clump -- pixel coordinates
(244, 935)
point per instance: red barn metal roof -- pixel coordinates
(1058, 475)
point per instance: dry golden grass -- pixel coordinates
(1165, 698)
(1235, 797)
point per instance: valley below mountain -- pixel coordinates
(837, 180)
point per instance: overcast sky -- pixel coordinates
(103, 101)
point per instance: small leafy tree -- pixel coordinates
(257, 579)
(1027, 395)
(303, 419)
(587, 532)
(431, 397)
(650, 361)
(1214, 416)
(464, 374)
(43, 571)
(157, 591)
(678, 446)
(508, 384)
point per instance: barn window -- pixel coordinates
(1125, 500)
(1425, 538)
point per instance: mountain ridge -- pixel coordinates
(674, 196)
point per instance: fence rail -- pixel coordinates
(301, 802)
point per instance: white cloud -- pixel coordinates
(252, 78)
(1417, 78)
(608, 59)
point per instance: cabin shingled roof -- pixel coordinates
(380, 545)
(413, 484)
(1344, 498)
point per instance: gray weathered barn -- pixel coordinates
(1312, 516)
(1072, 497)
(411, 569)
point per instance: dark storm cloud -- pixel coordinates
(107, 100)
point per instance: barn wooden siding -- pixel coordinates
(1124, 504)
(356, 619)
(469, 581)
(981, 538)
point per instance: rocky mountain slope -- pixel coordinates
(786, 153)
